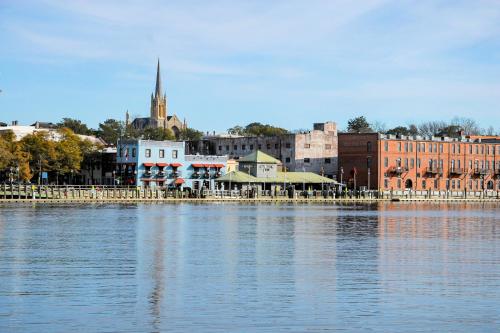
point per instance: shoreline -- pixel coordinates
(243, 200)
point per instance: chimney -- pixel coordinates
(14, 122)
(214, 133)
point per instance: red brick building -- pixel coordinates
(385, 162)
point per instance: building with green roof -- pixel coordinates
(260, 170)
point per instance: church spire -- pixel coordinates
(158, 80)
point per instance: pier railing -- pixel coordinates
(99, 192)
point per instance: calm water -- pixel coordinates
(246, 268)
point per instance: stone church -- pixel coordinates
(159, 117)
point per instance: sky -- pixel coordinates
(224, 63)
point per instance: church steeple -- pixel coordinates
(158, 81)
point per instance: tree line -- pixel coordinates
(453, 128)
(111, 130)
(38, 152)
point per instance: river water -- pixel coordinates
(388, 267)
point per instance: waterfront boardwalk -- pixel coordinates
(111, 194)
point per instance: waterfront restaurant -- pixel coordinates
(165, 164)
(259, 170)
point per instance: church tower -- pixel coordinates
(159, 103)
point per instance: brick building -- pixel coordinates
(385, 162)
(312, 151)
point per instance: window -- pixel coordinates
(162, 153)
(134, 152)
(458, 146)
(235, 147)
(470, 149)
(174, 153)
(424, 184)
(328, 160)
(435, 148)
(452, 184)
(436, 184)
(470, 183)
(227, 148)
(121, 152)
(251, 147)
(259, 146)
(458, 184)
(243, 147)
(386, 183)
(419, 162)
(287, 160)
(399, 146)
(386, 162)
(411, 147)
(276, 146)
(288, 145)
(307, 160)
(220, 147)
(453, 149)
(399, 182)
(268, 146)
(126, 152)
(406, 146)
(482, 150)
(412, 163)
(440, 147)
(406, 163)
(148, 153)
(307, 145)
(418, 147)
(368, 162)
(369, 146)
(423, 147)
(430, 147)
(447, 184)
(477, 149)
(328, 146)
(386, 146)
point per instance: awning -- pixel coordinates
(197, 165)
(179, 181)
(209, 165)
(148, 164)
(162, 164)
(219, 165)
(175, 165)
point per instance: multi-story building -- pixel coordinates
(164, 163)
(388, 162)
(312, 151)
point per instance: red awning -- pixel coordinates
(197, 165)
(179, 181)
(219, 165)
(175, 164)
(148, 164)
(209, 165)
(162, 164)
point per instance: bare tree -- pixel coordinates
(378, 127)
(430, 128)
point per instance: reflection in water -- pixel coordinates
(266, 268)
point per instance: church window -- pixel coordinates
(174, 153)
(148, 153)
(162, 153)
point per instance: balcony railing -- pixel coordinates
(457, 171)
(434, 170)
(398, 170)
(481, 171)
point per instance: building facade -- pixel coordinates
(165, 164)
(314, 151)
(159, 117)
(388, 162)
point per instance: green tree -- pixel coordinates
(75, 125)
(158, 134)
(68, 153)
(257, 129)
(110, 130)
(40, 151)
(399, 130)
(190, 134)
(451, 131)
(358, 125)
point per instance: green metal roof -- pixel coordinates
(238, 177)
(259, 157)
(281, 177)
